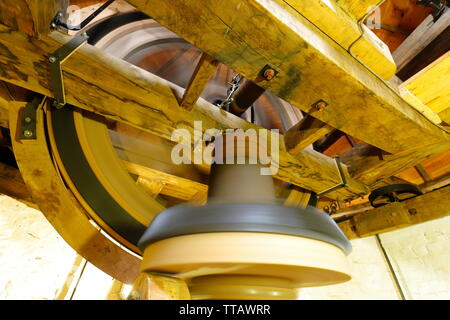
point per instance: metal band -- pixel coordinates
(342, 176)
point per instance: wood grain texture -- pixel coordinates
(101, 83)
(371, 167)
(432, 84)
(358, 8)
(12, 185)
(30, 16)
(247, 35)
(153, 286)
(304, 133)
(430, 206)
(173, 186)
(206, 68)
(420, 38)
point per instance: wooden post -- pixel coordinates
(152, 286)
(206, 68)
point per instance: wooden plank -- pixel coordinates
(423, 173)
(104, 84)
(206, 68)
(420, 38)
(371, 167)
(297, 198)
(153, 286)
(432, 84)
(247, 35)
(439, 46)
(359, 8)
(304, 133)
(30, 16)
(381, 220)
(173, 186)
(430, 206)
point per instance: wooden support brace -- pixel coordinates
(430, 206)
(304, 133)
(206, 68)
(152, 286)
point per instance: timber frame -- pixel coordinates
(395, 135)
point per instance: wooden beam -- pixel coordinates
(101, 83)
(439, 46)
(153, 286)
(248, 35)
(430, 206)
(173, 186)
(304, 133)
(431, 85)
(423, 173)
(359, 8)
(297, 198)
(343, 28)
(30, 16)
(206, 68)
(426, 32)
(373, 167)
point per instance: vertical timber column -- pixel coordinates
(153, 286)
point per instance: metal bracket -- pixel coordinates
(28, 123)
(343, 179)
(56, 59)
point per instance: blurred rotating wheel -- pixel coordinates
(90, 151)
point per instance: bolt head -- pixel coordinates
(52, 59)
(269, 74)
(28, 133)
(27, 119)
(320, 105)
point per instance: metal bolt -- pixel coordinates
(269, 74)
(28, 133)
(320, 105)
(394, 214)
(57, 104)
(52, 59)
(27, 119)
(53, 25)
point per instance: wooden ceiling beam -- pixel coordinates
(249, 35)
(98, 82)
(430, 206)
(32, 17)
(370, 166)
(304, 133)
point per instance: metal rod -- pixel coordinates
(86, 21)
(391, 269)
